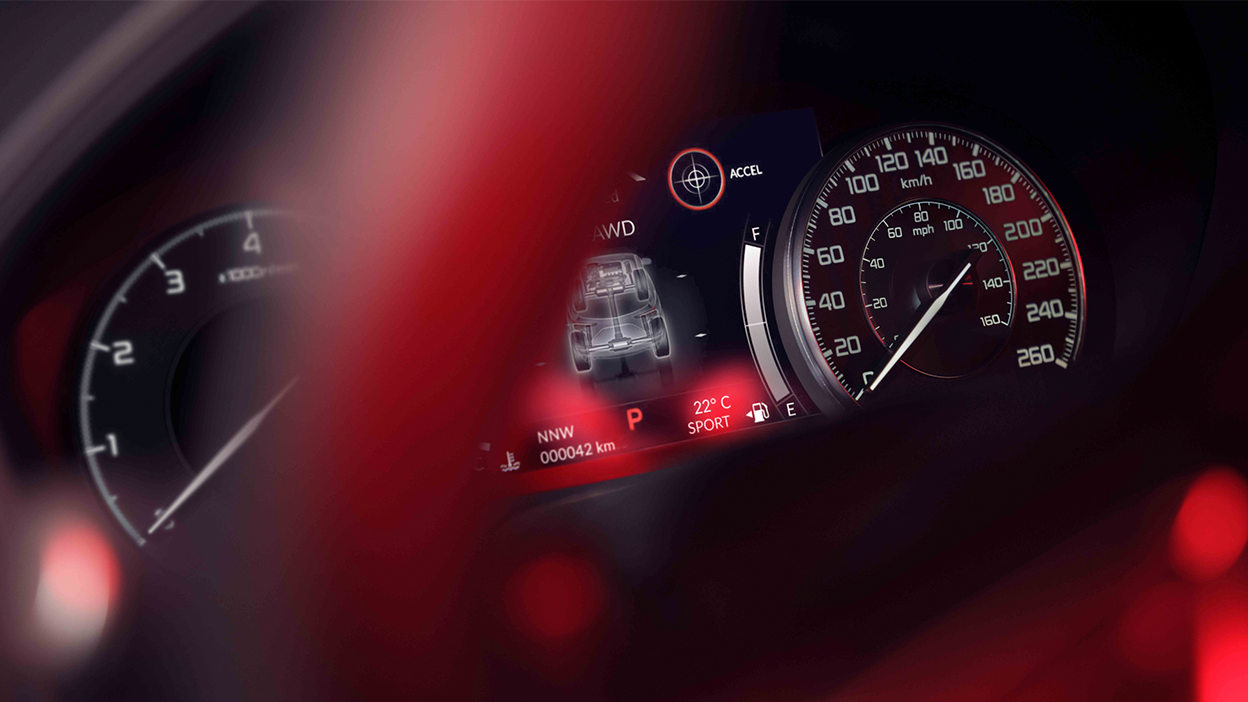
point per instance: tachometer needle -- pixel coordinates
(236, 442)
(932, 310)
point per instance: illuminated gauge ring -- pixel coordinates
(696, 179)
(828, 269)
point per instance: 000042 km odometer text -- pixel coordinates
(885, 226)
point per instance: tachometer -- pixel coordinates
(184, 364)
(925, 252)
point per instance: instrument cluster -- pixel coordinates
(758, 268)
(756, 279)
(739, 277)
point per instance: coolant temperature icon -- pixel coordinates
(512, 463)
(758, 412)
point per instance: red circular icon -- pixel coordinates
(696, 179)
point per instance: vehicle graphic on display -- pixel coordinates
(615, 311)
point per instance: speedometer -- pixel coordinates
(925, 253)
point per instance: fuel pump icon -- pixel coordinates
(758, 412)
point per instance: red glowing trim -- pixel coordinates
(1074, 249)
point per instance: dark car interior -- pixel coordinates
(784, 351)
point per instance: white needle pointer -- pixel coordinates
(925, 320)
(236, 442)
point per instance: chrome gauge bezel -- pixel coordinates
(796, 332)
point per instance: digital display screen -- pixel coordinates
(666, 334)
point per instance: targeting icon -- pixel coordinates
(696, 179)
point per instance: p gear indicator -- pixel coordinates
(696, 179)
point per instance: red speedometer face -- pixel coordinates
(908, 260)
(928, 253)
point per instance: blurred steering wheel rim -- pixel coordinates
(107, 78)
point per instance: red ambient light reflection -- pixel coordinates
(1154, 634)
(555, 597)
(79, 579)
(1209, 535)
(1222, 643)
(1212, 526)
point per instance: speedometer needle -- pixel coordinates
(925, 320)
(231, 447)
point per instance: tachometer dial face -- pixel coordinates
(926, 252)
(185, 364)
